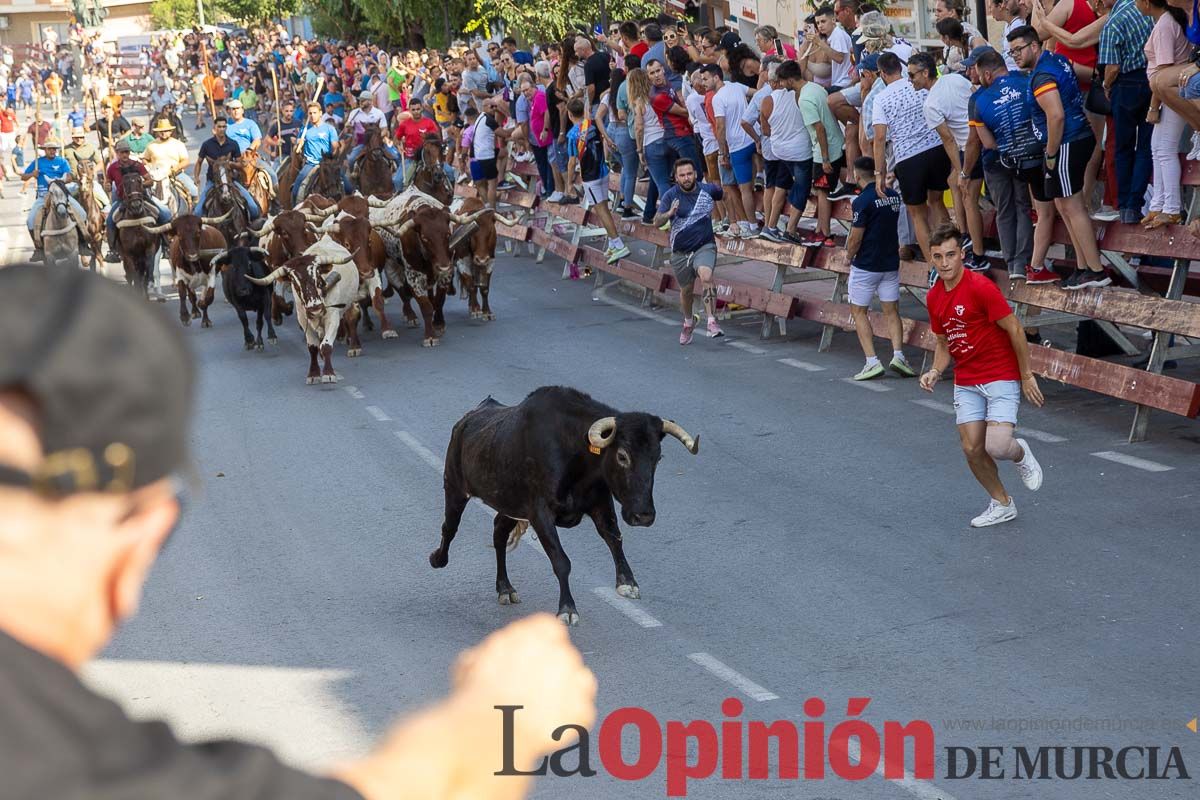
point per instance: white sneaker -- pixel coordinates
(1029, 468)
(555, 197)
(995, 513)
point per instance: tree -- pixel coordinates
(174, 14)
(250, 12)
(546, 21)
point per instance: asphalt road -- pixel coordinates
(816, 547)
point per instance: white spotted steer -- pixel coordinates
(325, 283)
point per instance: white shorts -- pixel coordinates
(8, 141)
(853, 95)
(865, 284)
(596, 191)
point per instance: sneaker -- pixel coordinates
(112, 258)
(1029, 468)
(772, 235)
(1129, 216)
(829, 241)
(995, 513)
(1041, 277)
(974, 263)
(721, 226)
(1085, 279)
(747, 232)
(869, 371)
(843, 191)
(38, 256)
(794, 238)
(505, 185)
(901, 366)
(555, 197)
(727, 233)
(615, 254)
(685, 336)
(630, 213)
(523, 157)
(570, 201)
(714, 330)
(1105, 214)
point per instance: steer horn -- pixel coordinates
(134, 223)
(159, 228)
(406, 227)
(215, 262)
(463, 220)
(260, 251)
(375, 202)
(267, 227)
(503, 220)
(673, 428)
(324, 212)
(267, 281)
(318, 219)
(602, 433)
(217, 220)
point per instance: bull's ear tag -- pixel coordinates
(593, 449)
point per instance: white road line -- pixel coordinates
(1133, 461)
(354, 392)
(936, 405)
(602, 296)
(869, 385)
(421, 450)
(626, 607)
(1041, 436)
(732, 676)
(378, 413)
(923, 790)
(804, 365)
(749, 348)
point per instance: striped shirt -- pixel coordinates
(1124, 36)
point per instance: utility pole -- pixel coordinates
(200, 12)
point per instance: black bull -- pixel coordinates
(546, 463)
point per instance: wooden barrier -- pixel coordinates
(1136, 307)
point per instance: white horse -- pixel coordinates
(61, 228)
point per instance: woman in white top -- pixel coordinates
(648, 130)
(791, 147)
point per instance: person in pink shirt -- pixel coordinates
(540, 136)
(765, 37)
(1168, 45)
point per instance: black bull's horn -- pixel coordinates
(604, 430)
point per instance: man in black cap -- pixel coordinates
(95, 399)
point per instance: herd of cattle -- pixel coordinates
(340, 258)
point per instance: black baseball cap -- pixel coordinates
(111, 378)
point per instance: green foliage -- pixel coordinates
(173, 13)
(249, 12)
(400, 24)
(546, 21)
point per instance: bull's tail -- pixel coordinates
(514, 536)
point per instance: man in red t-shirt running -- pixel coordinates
(974, 324)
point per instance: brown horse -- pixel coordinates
(138, 240)
(224, 197)
(326, 178)
(374, 168)
(94, 235)
(429, 175)
(287, 177)
(257, 182)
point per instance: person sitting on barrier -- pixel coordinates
(874, 250)
(976, 327)
(586, 151)
(114, 181)
(688, 205)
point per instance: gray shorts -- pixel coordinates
(686, 265)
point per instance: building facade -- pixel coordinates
(25, 22)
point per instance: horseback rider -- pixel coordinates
(411, 133)
(138, 139)
(47, 169)
(248, 136)
(114, 181)
(317, 140)
(86, 162)
(167, 156)
(220, 146)
(360, 119)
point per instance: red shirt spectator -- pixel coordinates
(640, 49)
(116, 173)
(967, 317)
(410, 133)
(39, 132)
(8, 121)
(662, 101)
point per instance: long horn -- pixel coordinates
(323, 213)
(159, 228)
(134, 223)
(503, 220)
(331, 280)
(215, 259)
(262, 251)
(602, 432)
(318, 219)
(672, 428)
(375, 202)
(267, 281)
(210, 252)
(266, 228)
(217, 220)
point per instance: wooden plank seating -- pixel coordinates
(770, 292)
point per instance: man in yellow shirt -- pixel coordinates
(168, 156)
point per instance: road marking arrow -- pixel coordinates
(1192, 725)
